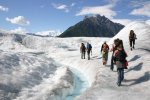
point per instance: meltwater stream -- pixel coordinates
(80, 85)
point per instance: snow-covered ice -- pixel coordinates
(50, 68)
(136, 85)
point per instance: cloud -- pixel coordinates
(2, 8)
(20, 20)
(102, 10)
(3, 30)
(61, 7)
(19, 30)
(73, 4)
(144, 10)
(49, 33)
(122, 21)
(138, 3)
(113, 2)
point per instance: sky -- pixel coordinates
(39, 16)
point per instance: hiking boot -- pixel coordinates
(131, 48)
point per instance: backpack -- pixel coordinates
(132, 36)
(121, 56)
(135, 36)
(89, 47)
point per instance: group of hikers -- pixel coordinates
(118, 54)
(83, 50)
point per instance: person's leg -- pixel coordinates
(84, 55)
(133, 42)
(106, 57)
(130, 43)
(103, 57)
(88, 54)
(119, 77)
(112, 62)
(122, 74)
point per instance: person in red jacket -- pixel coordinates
(114, 47)
(104, 51)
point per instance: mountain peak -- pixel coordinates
(93, 26)
(95, 17)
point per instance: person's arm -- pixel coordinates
(135, 36)
(108, 47)
(101, 48)
(115, 53)
(129, 36)
(112, 48)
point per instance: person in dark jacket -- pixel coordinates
(89, 50)
(132, 37)
(120, 56)
(82, 51)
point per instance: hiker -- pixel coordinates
(120, 56)
(89, 50)
(114, 47)
(132, 37)
(104, 51)
(82, 51)
(125, 62)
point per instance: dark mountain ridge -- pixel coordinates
(93, 26)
